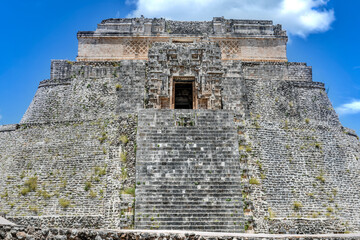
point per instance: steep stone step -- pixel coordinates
(188, 177)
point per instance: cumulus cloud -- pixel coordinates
(349, 108)
(299, 17)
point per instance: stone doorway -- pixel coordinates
(183, 98)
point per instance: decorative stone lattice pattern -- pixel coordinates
(230, 48)
(137, 47)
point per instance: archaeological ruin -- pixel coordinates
(174, 125)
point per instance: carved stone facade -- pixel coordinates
(121, 39)
(197, 64)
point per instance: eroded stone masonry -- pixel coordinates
(174, 125)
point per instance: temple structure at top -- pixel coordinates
(130, 38)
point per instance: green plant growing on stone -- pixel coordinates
(314, 215)
(34, 209)
(124, 139)
(64, 203)
(259, 164)
(99, 171)
(297, 205)
(44, 194)
(321, 177)
(318, 146)
(31, 183)
(92, 194)
(87, 186)
(334, 191)
(307, 121)
(257, 125)
(5, 194)
(248, 149)
(30, 186)
(123, 156)
(130, 191)
(123, 173)
(63, 183)
(330, 209)
(254, 181)
(118, 87)
(271, 213)
(286, 125)
(103, 137)
(312, 195)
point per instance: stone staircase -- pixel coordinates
(188, 172)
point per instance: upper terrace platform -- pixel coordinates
(130, 38)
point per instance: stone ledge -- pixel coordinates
(94, 221)
(9, 127)
(20, 232)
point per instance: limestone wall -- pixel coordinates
(71, 160)
(306, 163)
(73, 173)
(277, 71)
(294, 102)
(85, 91)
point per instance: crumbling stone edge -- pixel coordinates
(30, 233)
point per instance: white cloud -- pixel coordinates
(349, 108)
(299, 17)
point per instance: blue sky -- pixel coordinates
(324, 34)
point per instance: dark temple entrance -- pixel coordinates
(184, 95)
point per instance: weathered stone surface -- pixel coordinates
(262, 150)
(120, 39)
(9, 233)
(68, 173)
(187, 167)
